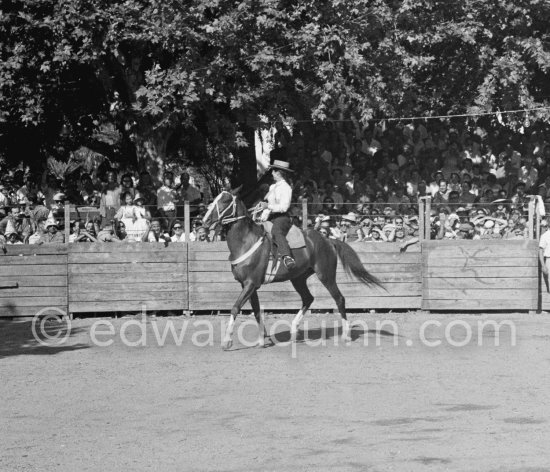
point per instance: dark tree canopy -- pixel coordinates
(182, 77)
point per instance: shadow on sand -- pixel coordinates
(17, 338)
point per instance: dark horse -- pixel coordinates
(250, 250)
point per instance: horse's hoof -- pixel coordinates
(227, 345)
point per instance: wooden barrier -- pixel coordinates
(212, 286)
(436, 275)
(33, 278)
(127, 277)
(480, 275)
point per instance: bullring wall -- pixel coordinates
(96, 278)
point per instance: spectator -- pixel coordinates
(110, 198)
(154, 233)
(179, 234)
(20, 223)
(107, 234)
(147, 190)
(167, 200)
(202, 235)
(81, 234)
(40, 229)
(52, 235)
(188, 193)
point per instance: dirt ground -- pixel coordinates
(375, 407)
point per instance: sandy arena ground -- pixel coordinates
(80, 407)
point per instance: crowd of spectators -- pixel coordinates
(361, 184)
(364, 183)
(104, 207)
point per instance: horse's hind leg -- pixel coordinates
(329, 281)
(258, 314)
(300, 285)
(248, 289)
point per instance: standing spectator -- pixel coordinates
(528, 174)
(147, 190)
(126, 214)
(40, 229)
(126, 186)
(110, 198)
(189, 193)
(166, 200)
(50, 187)
(107, 234)
(143, 216)
(330, 196)
(88, 195)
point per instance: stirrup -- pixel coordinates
(289, 262)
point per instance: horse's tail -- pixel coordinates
(352, 264)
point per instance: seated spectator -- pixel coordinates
(127, 214)
(107, 234)
(81, 234)
(155, 234)
(202, 235)
(52, 234)
(37, 209)
(88, 195)
(20, 222)
(179, 234)
(40, 229)
(126, 186)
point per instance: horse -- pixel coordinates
(250, 249)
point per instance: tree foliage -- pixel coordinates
(169, 74)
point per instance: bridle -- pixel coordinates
(224, 219)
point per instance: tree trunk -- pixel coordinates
(244, 170)
(151, 152)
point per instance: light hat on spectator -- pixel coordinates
(489, 224)
(350, 217)
(10, 229)
(59, 197)
(138, 197)
(51, 222)
(325, 219)
(325, 224)
(544, 223)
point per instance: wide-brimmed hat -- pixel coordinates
(280, 165)
(59, 197)
(350, 217)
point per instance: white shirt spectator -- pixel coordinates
(544, 243)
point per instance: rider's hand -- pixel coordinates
(262, 205)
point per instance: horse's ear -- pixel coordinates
(237, 190)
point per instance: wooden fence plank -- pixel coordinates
(95, 248)
(26, 270)
(130, 278)
(140, 297)
(157, 257)
(480, 294)
(434, 261)
(482, 272)
(33, 292)
(126, 306)
(32, 249)
(34, 301)
(37, 280)
(138, 287)
(227, 276)
(139, 268)
(33, 259)
(462, 304)
(28, 311)
(487, 283)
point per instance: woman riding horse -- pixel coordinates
(276, 210)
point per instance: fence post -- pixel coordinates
(304, 213)
(421, 235)
(531, 217)
(427, 213)
(186, 220)
(67, 231)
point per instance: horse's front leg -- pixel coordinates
(248, 289)
(262, 332)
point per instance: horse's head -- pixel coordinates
(224, 206)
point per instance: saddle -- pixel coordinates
(296, 240)
(295, 236)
